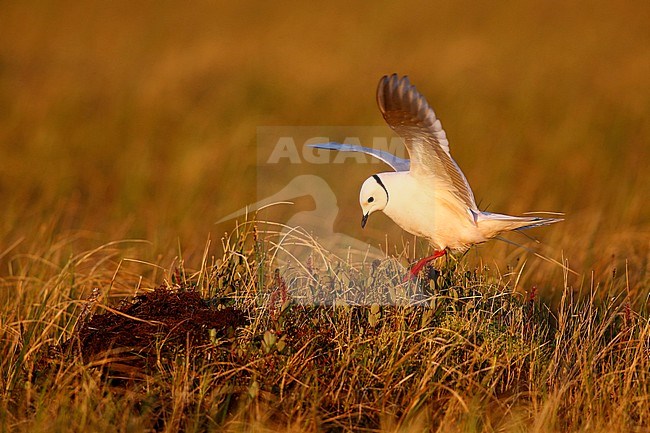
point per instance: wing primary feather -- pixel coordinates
(395, 162)
(408, 113)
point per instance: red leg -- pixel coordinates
(415, 270)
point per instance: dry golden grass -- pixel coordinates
(471, 355)
(138, 122)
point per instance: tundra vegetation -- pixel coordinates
(128, 129)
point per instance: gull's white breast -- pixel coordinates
(428, 210)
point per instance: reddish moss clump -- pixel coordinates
(156, 323)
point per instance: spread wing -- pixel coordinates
(396, 163)
(407, 112)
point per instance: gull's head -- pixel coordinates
(373, 197)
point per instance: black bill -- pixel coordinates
(364, 220)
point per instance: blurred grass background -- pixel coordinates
(138, 119)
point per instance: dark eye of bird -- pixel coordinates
(371, 199)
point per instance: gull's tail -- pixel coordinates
(494, 223)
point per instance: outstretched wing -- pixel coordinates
(396, 163)
(407, 112)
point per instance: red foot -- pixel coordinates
(415, 270)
